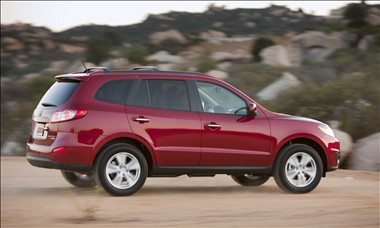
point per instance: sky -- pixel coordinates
(62, 15)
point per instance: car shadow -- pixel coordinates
(147, 190)
(154, 190)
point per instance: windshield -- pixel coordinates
(58, 94)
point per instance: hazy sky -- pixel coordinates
(61, 15)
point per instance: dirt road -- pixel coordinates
(34, 197)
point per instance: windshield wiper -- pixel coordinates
(48, 105)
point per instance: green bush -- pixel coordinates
(206, 64)
(260, 44)
(355, 14)
(137, 54)
(353, 100)
(98, 49)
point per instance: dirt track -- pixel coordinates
(34, 197)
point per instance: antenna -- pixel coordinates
(84, 65)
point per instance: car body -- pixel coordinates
(115, 128)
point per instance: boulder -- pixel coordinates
(11, 44)
(118, 63)
(277, 55)
(237, 56)
(165, 57)
(316, 46)
(166, 66)
(365, 154)
(286, 82)
(11, 148)
(373, 17)
(218, 74)
(365, 42)
(224, 65)
(56, 66)
(159, 37)
(212, 34)
(29, 77)
(77, 65)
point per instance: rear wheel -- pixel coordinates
(79, 180)
(121, 169)
(298, 169)
(250, 180)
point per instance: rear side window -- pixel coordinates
(115, 92)
(163, 94)
(59, 93)
(169, 94)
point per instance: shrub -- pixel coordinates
(206, 64)
(137, 54)
(260, 44)
(98, 49)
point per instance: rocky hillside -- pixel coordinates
(325, 68)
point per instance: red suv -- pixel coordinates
(116, 128)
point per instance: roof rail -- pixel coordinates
(145, 68)
(95, 69)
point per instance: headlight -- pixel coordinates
(327, 130)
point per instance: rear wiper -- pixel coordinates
(48, 105)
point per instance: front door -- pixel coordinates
(231, 137)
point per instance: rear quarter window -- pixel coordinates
(59, 93)
(115, 92)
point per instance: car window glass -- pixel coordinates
(169, 94)
(217, 99)
(140, 98)
(115, 92)
(59, 93)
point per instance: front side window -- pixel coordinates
(115, 92)
(217, 99)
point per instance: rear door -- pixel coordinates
(159, 112)
(230, 137)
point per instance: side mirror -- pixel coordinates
(252, 109)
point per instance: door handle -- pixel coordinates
(214, 125)
(141, 119)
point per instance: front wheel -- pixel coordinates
(121, 169)
(298, 169)
(250, 180)
(79, 180)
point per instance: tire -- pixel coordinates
(250, 180)
(79, 180)
(298, 169)
(121, 169)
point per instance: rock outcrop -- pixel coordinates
(218, 74)
(315, 46)
(277, 55)
(365, 154)
(346, 143)
(172, 34)
(286, 82)
(165, 57)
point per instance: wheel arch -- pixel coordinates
(141, 146)
(306, 141)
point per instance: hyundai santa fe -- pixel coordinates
(116, 128)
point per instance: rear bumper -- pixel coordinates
(44, 162)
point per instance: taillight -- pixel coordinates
(67, 115)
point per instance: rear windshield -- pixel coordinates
(58, 94)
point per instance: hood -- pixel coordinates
(296, 118)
